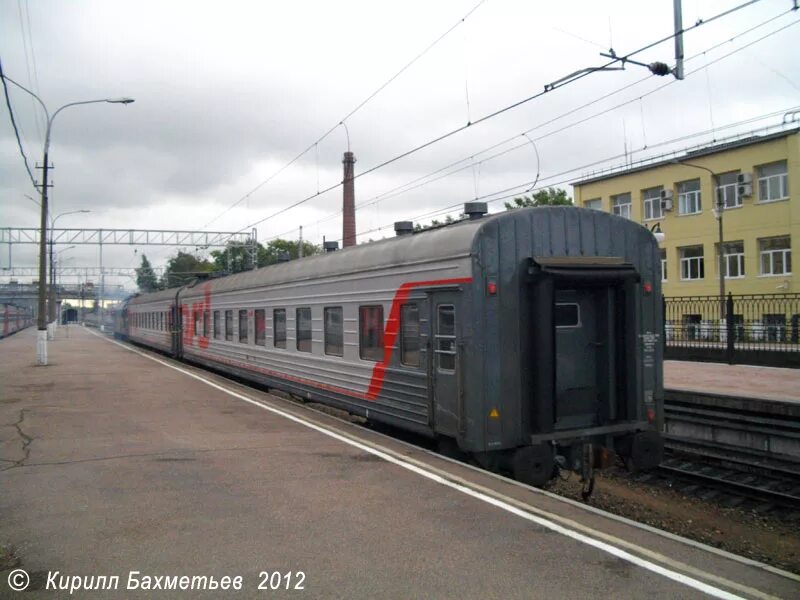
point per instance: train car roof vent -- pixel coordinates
(284, 257)
(330, 246)
(404, 227)
(475, 210)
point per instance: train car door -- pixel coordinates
(582, 342)
(445, 364)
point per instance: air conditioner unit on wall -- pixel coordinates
(744, 178)
(744, 190)
(666, 200)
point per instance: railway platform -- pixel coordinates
(120, 463)
(740, 381)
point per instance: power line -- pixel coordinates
(548, 88)
(350, 114)
(14, 124)
(521, 186)
(426, 179)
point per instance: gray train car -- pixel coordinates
(530, 338)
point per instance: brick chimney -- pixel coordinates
(349, 204)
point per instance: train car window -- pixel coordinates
(206, 319)
(303, 329)
(370, 338)
(279, 326)
(334, 334)
(216, 325)
(409, 335)
(261, 327)
(229, 325)
(446, 337)
(567, 315)
(243, 326)
(197, 318)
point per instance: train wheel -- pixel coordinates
(533, 465)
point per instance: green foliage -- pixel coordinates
(545, 197)
(437, 223)
(273, 251)
(235, 258)
(183, 268)
(145, 277)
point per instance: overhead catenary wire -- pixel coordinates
(443, 171)
(490, 197)
(16, 130)
(547, 89)
(358, 107)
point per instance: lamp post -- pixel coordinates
(719, 203)
(52, 312)
(41, 336)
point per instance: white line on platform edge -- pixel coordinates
(606, 547)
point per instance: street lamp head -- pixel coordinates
(120, 100)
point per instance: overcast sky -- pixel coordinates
(229, 92)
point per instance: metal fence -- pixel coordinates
(761, 329)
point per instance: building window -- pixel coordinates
(216, 325)
(726, 190)
(279, 327)
(303, 329)
(229, 325)
(776, 256)
(409, 335)
(689, 197)
(663, 264)
(651, 200)
(261, 327)
(621, 205)
(370, 341)
(243, 326)
(773, 182)
(692, 266)
(692, 326)
(594, 204)
(733, 259)
(775, 325)
(334, 333)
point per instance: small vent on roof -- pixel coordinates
(330, 246)
(404, 227)
(475, 210)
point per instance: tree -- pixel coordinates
(145, 277)
(275, 249)
(183, 268)
(546, 197)
(235, 258)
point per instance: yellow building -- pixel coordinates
(758, 180)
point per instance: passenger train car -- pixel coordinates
(14, 318)
(530, 338)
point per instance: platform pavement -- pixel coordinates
(114, 462)
(741, 381)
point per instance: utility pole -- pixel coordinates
(41, 325)
(101, 311)
(678, 71)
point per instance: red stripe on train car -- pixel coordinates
(393, 327)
